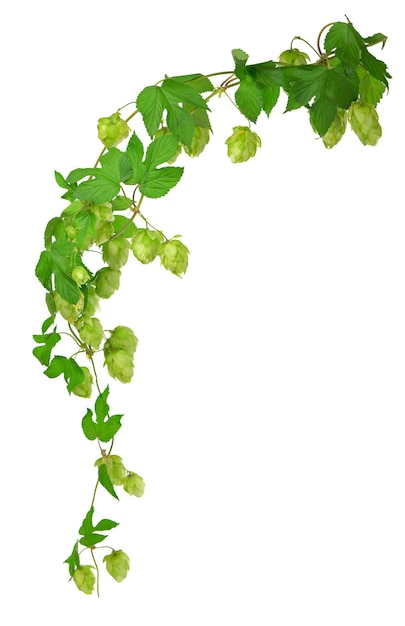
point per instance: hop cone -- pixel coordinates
(115, 252)
(112, 130)
(242, 144)
(68, 311)
(145, 244)
(115, 468)
(83, 390)
(134, 484)
(90, 331)
(123, 338)
(293, 56)
(107, 281)
(336, 130)
(363, 119)
(174, 256)
(119, 363)
(200, 139)
(84, 578)
(117, 564)
(103, 228)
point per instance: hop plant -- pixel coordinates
(117, 564)
(84, 389)
(90, 331)
(293, 56)
(103, 228)
(115, 252)
(80, 275)
(174, 256)
(85, 578)
(242, 144)
(107, 281)
(145, 244)
(112, 130)
(363, 119)
(200, 139)
(134, 484)
(165, 131)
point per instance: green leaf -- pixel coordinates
(47, 323)
(115, 165)
(151, 104)
(89, 427)
(84, 222)
(121, 203)
(71, 371)
(43, 353)
(81, 172)
(160, 151)
(87, 524)
(270, 95)
(121, 222)
(105, 184)
(98, 190)
(157, 183)
(106, 481)
(249, 99)
(108, 429)
(180, 122)
(58, 261)
(371, 90)
(101, 406)
(135, 156)
(106, 524)
(55, 229)
(322, 113)
(240, 57)
(61, 181)
(92, 539)
(73, 560)
(177, 91)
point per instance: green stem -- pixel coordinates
(97, 572)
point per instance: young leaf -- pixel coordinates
(89, 427)
(73, 560)
(106, 481)
(72, 372)
(101, 406)
(43, 353)
(92, 539)
(87, 524)
(108, 429)
(105, 524)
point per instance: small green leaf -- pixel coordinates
(151, 104)
(73, 560)
(43, 353)
(61, 181)
(105, 524)
(197, 81)
(249, 99)
(108, 429)
(87, 524)
(89, 427)
(106, 481)
(101, 406)
(72, 372)
(92, 539)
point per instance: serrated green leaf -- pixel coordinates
(343, 40)
(47, 323)
(43, 353)
(57, 261)
(240, 57)
(73, 560)
(106, 524)
(106, 481)
(151, 104)
(108, 429)
(98, 190)
(160, 151)
(101, 405)
(72, 372)
(115, 165)
(197, 81)
(61, 181)
(323, 112)
(135, 156)
(248, 97)
(270, 95)
(89, 427)
(375, 39)
(371, 90)
(157, 183)
(180, 123)
(121, 203)
(81, 172)
(87, 524)
(177, 91)
(55, 229)
(84, 222)
(91, 539)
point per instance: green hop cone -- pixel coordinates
(80, 275)
(174, 256)
(92, 301)
(242, 144)
(119, 363)
(293, 56)
(115, 252)
(200, 139)
(84, 578)
(68, 311)
(103, 228)
(134, 484)
(112, 130)
(115, 468)
(107, 281)
(85, 388)
(90, 331)
(123, 338)
(117, 564)
(145, 244)
(363, 119)
(165, 131)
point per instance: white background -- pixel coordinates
(267, 410)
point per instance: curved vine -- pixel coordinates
(105, 214)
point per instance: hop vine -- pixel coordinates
(104, 211)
